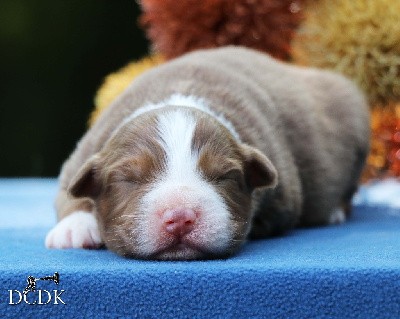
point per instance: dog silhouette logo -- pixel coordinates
(32, 282)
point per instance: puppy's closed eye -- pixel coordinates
(218, 167)
(233, 177)
(135, 170)
(233, 174)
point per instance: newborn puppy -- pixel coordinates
(212, 148)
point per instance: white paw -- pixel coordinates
(78, 230)
(337, 217)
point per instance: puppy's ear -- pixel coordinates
(86, 182)
(259, 171)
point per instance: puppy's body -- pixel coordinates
(294, 138)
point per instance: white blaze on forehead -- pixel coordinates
(176, 130)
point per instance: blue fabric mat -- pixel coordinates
(348, 271)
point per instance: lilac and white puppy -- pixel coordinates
(209, 149)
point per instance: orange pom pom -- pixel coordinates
(384, 158)
(177, 27)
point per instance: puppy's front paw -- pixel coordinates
(78, 230)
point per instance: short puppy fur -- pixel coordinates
(209, 149)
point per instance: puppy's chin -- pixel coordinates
(175, 251)
(178, 252)
(181, 252)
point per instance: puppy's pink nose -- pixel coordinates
(178, 222)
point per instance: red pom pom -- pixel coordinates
(176, 27)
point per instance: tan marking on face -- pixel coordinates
(221, 164)
(132, 161)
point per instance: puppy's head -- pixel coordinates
(174, 184)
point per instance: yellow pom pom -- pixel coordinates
(359, 38)
(115, 83)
